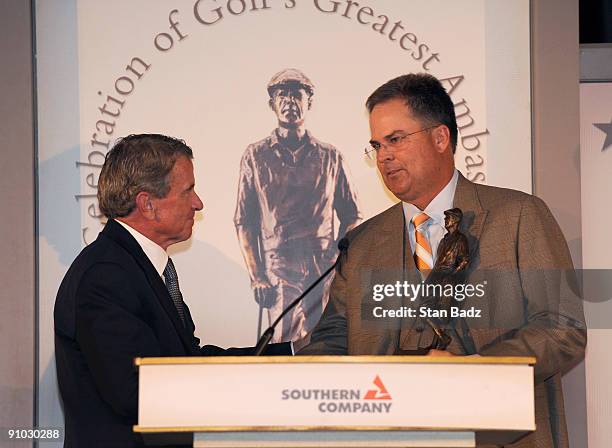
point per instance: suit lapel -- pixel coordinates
(474, 216)
(390, 239)
(117, 233)
(395, 252)
(398, 263)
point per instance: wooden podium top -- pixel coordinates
(370, 359)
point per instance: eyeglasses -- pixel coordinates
(394, 143)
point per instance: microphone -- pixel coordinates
(263, 342)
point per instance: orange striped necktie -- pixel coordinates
(423, 257)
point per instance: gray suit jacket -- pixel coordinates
(531, 305)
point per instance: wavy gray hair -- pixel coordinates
(138, 162)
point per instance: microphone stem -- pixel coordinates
(310, 288)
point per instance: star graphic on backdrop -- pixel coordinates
(607, 128)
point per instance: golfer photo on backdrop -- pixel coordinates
(294, 202)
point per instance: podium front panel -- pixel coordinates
(327, 393)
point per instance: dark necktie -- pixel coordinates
(172, 284)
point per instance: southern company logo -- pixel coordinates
(376, 400)
(380, 393)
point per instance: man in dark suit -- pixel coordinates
(517, 250)
(121, 299)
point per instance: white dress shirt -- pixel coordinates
(156, 255)
(434, 227)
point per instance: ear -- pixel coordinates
(441, 138)
(271, 103)
(145, 205)
(309, 102)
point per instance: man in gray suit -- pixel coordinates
(518, 255)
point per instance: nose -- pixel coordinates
(197, 202)
(384, 153)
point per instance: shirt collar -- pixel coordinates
(274, 141)
(156, 255)
(436, 208)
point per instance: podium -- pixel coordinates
(335, 401)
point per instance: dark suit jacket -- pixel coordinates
(530, 306)
(112, 307)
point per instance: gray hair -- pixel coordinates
(138, 162)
